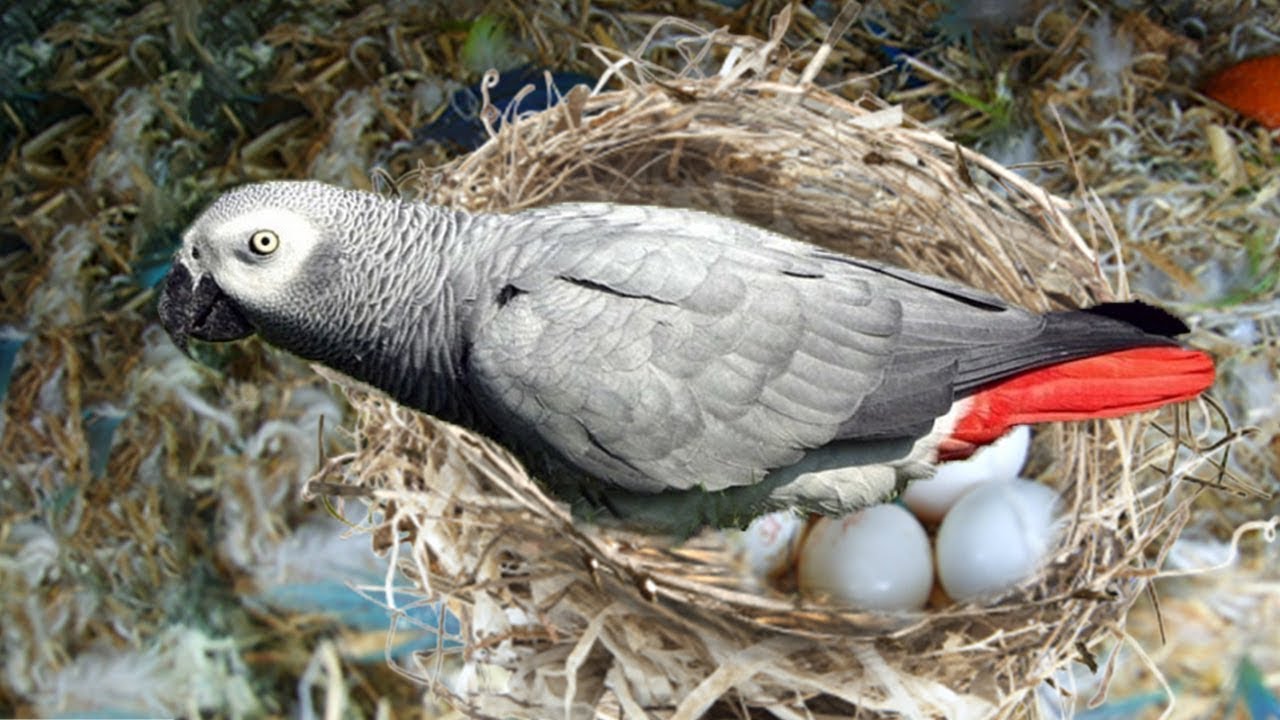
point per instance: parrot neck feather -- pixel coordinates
(403, 330)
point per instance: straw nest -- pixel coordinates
(564, 619)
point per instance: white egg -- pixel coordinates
(875, 559)
(1001, 460)
(996, 536)
(769, 542)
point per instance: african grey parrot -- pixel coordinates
(668, 366)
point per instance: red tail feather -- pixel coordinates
(1103, 386)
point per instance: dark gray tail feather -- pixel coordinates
(925, 385)
(1147, 318)
(1071, 335)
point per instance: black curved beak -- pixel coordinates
(200, 310)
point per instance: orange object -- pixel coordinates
(1251, 88)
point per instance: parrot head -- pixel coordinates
(258, 260)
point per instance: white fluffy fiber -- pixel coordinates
(120, 168)
(60, 299)
(182, 673)
(1111, 55)
(251, 509)
(347, 155)
(318, 551)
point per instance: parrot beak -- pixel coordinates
(200, 310)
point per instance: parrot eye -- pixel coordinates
(264, 242)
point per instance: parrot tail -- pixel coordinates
(1103, 386)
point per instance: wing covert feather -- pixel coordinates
(667, 367)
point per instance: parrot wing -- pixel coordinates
(646, 355)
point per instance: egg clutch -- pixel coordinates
(994, 530)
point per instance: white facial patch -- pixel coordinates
(254, 278)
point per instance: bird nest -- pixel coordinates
(563, 618)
